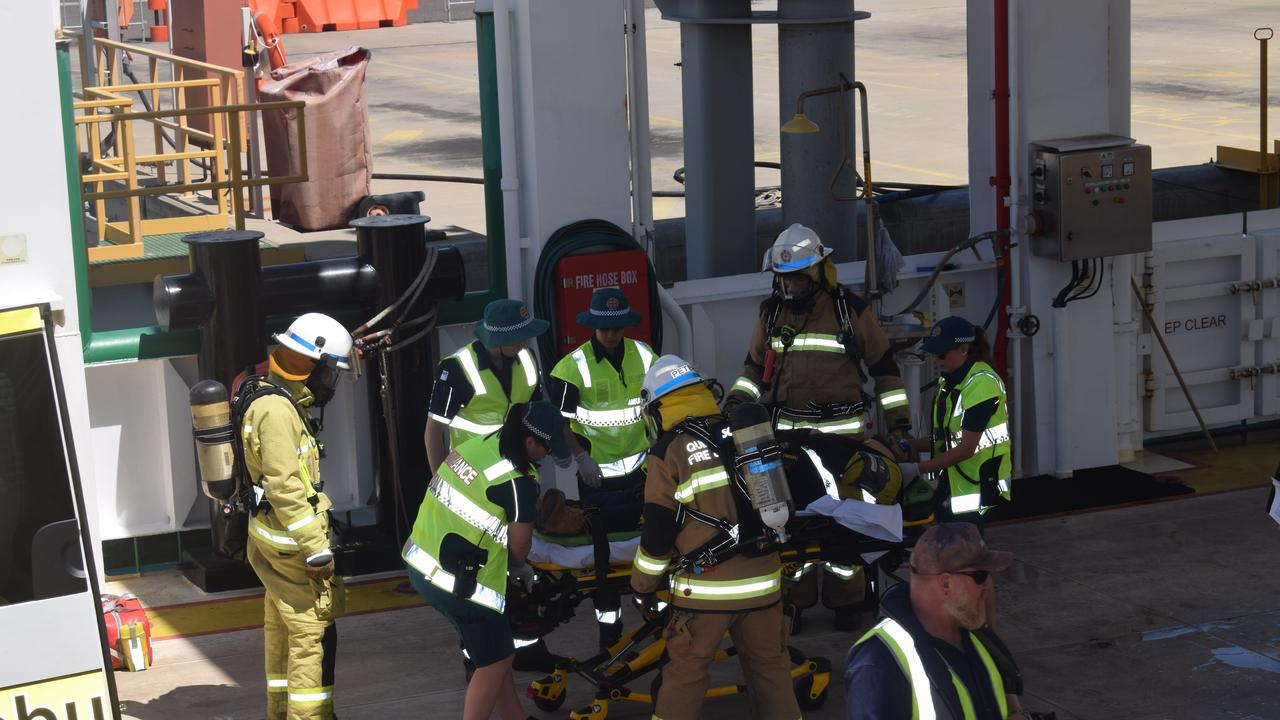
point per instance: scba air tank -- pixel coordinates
(766, 481)
(215, 439)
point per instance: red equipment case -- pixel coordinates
(128, 632)
(577, 276)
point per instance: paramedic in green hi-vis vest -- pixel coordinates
(475, 526)
(970, 443)
(597, 387)
(476, 385)
(474, 389)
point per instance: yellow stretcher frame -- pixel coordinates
(613, 670)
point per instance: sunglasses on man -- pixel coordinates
(979, 577)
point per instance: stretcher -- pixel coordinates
(568, 573)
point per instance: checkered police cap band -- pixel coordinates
(507, 328)
(537, 432)
(610, 313)
(969, 339)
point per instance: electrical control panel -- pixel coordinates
(1091, 197)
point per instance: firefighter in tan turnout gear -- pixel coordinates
(690, 509)
(289, 531)
(812, 349)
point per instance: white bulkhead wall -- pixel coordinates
(1069, 76)
(569, 87)
(34, 208)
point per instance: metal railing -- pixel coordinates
(113, 159)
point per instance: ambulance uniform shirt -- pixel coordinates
(518, 497)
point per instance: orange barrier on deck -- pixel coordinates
(292, 16)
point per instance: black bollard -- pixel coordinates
(227, 295)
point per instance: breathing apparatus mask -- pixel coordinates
(323, 380)
(798, 295)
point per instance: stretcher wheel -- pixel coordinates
(549, 704)
(806, 696)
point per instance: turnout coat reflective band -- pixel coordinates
(684, 471)
(608, 413)
(282, 458)
(817, 363)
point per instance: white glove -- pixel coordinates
(523, 576)
(589, 470)
(910, 471)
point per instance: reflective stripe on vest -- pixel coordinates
(609, 418)
(608, 412)
(702, 480)
(422, 561)
(903, 648)
(625, 466)
(468, 511)
(485, 411)
(697, 589)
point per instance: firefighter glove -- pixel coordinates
(648, 606)
(320, 572)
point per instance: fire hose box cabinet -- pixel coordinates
(338, 146)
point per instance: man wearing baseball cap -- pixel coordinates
(933, 655)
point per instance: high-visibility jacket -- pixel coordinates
(927, 701)
(457, 504)
(688, 478)
(992, 462)
(486, 410)
(816, 362)
(282, 458)
(608, 413)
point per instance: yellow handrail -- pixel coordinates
(219, 148)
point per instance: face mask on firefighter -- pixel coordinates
(798, 289)
(323, 380)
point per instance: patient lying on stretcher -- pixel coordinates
(817, 465)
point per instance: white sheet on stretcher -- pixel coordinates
(882, 522)
(581, 556)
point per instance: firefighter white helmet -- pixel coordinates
(796, 248)
(668, 373)
(316, 335)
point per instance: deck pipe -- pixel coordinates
(228, 295)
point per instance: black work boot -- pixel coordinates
(536, 658)
(848, 618)
(609, 634)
